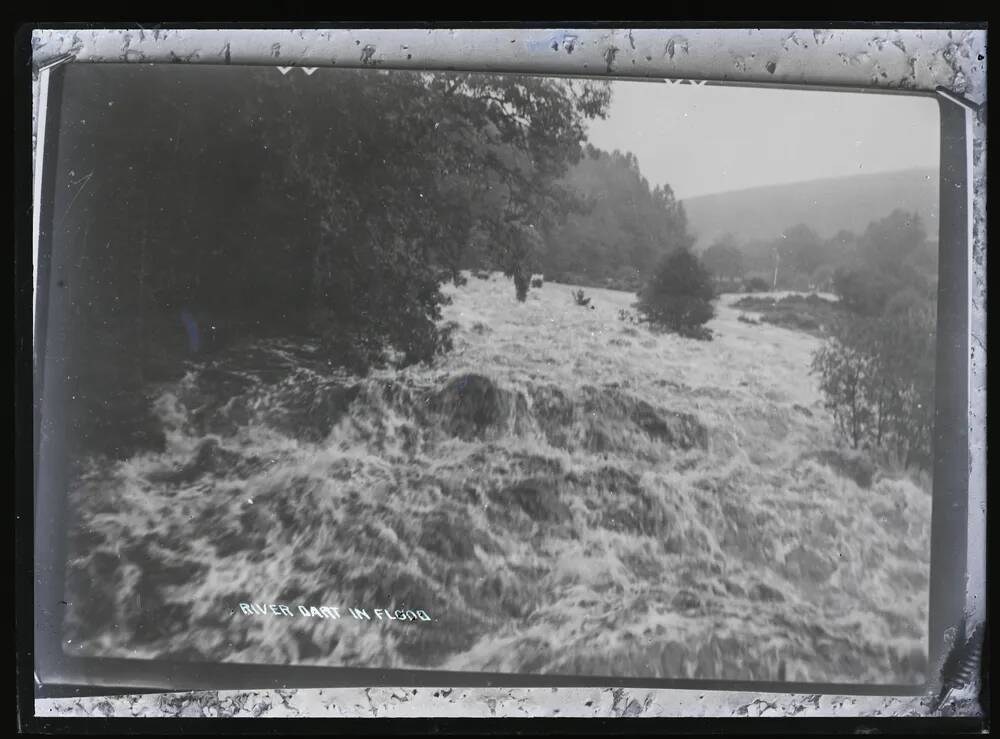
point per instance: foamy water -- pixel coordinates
(565, 493)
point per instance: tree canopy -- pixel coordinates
(724, 259)
(234, 203)
(615, 227)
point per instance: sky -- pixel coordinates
(702, 139)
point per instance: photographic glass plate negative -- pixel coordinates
(394, 377)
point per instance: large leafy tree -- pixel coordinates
(877, 377)
(412, 176)
(891, 256)
(802, 249)
(888, 242)
(724, 259)
(200, 207)
(461, 158)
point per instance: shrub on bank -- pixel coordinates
(678, 297)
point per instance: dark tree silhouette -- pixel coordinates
(724, 259)
(678, 296)
(200, 208)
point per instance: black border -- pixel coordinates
(23, 413)
(571, 726)
(948, 565)
(516, 19)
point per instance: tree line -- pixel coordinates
(800, 259)
(876, 367)
(199, 208)
(619, 228)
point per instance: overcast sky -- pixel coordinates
(704, 139)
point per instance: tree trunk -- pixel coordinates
(522, 282)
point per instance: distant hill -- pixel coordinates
(826, 205)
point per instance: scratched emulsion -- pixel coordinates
(492, 703)
(679, 521)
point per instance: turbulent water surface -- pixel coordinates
(565, 493)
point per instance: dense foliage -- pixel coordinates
(724, 259)
(616, 228)
(809, 313)
(877, 374)
(203, 207)
(877, 369)
(800, 259)
(891, 256)
(421, 175)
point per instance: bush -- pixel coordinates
(877, 376)
(728, 286)
(521, 283)
(537, 282)
(627, 282)
(793, 319)
(724, 260)
(627, 316)
(756, 285)
(822, 277)
(861, 290)
(678, 297)
(797, 281)
(851, 464)
(580, 299)
(843, 367)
